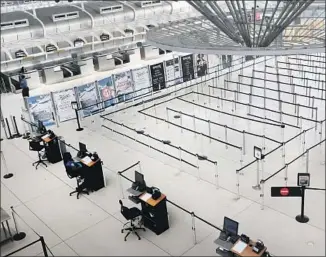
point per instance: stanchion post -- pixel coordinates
(8, 127)
(244, 142)
(262, 194)
(216, 175)
(180, 158)
(7, 175)
(304, 140)
(181, 124)
(307, 162)
(302, 218)
(257, 186)
(44, 246)
(120, 184)
(226, 136)
(209, 131)
(238, 185)
(155, 114)
(193, 227)
(74, 106)
(241, 160)
(194, 123)
(19, 235)
(312, 109)
(167, 117)
(16, 128)
(286, 174)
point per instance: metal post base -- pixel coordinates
(302, 219)
(19, 236)
(79, 129)
(257, 187)
(9, 175)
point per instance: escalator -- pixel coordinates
(6, 82)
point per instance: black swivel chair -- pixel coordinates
(74, 173)
(37, 147)
(130, 214)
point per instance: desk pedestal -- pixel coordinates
(52, 151)
(155, 217)
(94, 179)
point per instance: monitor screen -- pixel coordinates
(230, 226)
(41, 128)
(82, 147)
(139, 178)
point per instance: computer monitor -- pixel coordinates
(40, 127)
(230, 226)
(139, 180)
(82, 148)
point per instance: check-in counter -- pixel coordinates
(134, 56)
(33, 79)
(149, 52)
(86, 66)
(104, 62)
(52, 74)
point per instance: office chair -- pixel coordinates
(74, 173)
(130, 214)
(37, 147)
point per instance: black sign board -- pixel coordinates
(187, 63)
(158, 76)
(286, 191)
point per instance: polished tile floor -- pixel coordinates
(91, 225)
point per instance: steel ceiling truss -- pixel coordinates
(257, 26)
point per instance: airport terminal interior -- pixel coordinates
(163, 128)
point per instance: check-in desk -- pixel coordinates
(103, 62)
(149, 52)
(155, 214)
(52, 148)
(239, 248)
(134, 56)
(52, 74)
(32, 78)
(86, 66)
(92, 174)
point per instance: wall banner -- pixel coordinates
(107, 91)
(62, 101)
(173, 72)
(142, 83)
(124, 87)
(87, 96)
(187, 63)
(158, 76)
(41, 108)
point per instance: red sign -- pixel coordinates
(284, 191)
